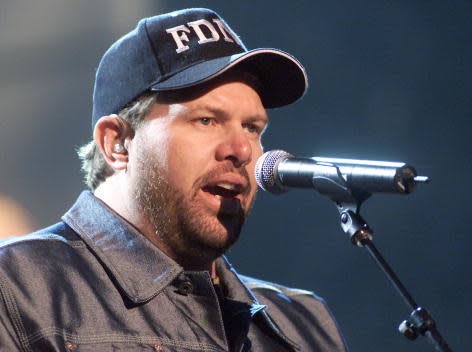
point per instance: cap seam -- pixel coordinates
(151, 44)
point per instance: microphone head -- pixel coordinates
(266, 171)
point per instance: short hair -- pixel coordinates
(94, 166)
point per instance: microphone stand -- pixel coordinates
(348, 201)
(342, 180)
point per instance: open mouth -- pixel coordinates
(223, 190)
(225, 197)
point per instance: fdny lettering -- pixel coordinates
(179, 33)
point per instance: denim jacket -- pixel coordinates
(93, 283)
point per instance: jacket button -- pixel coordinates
(185, 287)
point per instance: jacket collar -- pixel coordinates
(238, 291)
(138, 267)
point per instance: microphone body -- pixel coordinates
(278, 171)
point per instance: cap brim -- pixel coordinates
(282, 78)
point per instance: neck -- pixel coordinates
(118, 198)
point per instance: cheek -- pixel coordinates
(257, 151)
(149, 153)
(186, 161)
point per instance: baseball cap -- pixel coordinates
(183, 49)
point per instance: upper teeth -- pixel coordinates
(226, 185)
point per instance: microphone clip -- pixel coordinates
(348, 200)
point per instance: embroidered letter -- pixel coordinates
(179, 38)
(201, 36)
(223, 29)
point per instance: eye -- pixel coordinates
(252, 128)
(206, 121)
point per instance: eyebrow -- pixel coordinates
(218, 111)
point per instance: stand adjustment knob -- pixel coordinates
(408, 330)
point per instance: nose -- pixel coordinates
(235, 147)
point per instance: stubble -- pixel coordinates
(186, 229)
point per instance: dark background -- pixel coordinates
(389, 80)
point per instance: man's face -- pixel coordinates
(192, 169)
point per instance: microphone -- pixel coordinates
(278, 171)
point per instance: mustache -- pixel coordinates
(221, 170)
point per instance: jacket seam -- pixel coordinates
(107, 338)
(14, 315)
(47, 237)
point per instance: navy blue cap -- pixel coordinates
(183, 49)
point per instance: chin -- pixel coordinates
(223, 233)
(213, 235)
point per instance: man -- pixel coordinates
(178, 113)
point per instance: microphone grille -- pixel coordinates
(266, 170)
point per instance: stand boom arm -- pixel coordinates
(420, 321)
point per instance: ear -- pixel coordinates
(109, 134)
